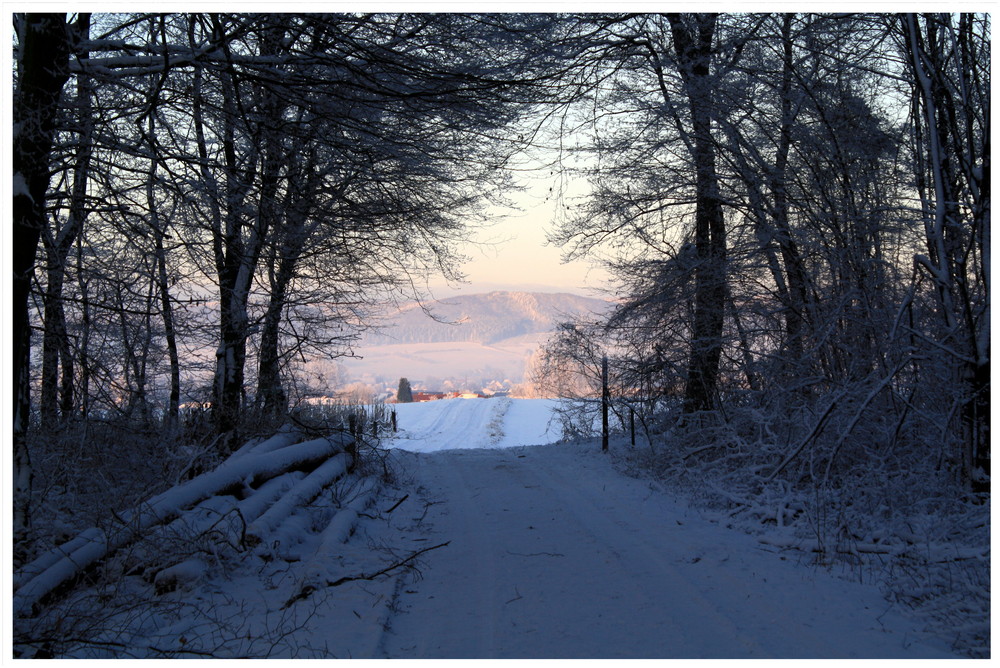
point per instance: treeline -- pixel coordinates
(795, 208)
(796, 211)
(202, 202)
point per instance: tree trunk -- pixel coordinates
(797, 293)
(83, 346)
(957, 163)
(55, 340)
(233, 263)
(169, 333)
(693, 44)
(231, 259)
(43, 70)
(270, 393)
(287, 243)
(162, 279)
(237, 253)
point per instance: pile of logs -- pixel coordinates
(262, 483)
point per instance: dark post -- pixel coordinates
(605, 400)
(394, 420)
(631, 423)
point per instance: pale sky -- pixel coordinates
(517, 256)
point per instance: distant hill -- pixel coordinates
(483, 318)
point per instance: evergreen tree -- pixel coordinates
(404, 394)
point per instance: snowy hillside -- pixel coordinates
(471, 340)
(484, 318)
(492, 423)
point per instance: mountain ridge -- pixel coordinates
(485, 318)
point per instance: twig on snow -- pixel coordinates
(307, 590)
(396, 505)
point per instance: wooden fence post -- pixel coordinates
(631, 423)
(605, 400)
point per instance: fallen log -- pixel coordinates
(299, 495)
(286, 435)
(314, 573)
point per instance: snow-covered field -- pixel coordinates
(475, 423)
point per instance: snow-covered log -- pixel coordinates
(340, 527)
(267, 494)
(285, 436)
(94, 544)
(315, 574)
(301, 494)
(46, 560)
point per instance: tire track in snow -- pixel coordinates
(653, 579)
(463, 627)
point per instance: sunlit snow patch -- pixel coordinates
(452, 424)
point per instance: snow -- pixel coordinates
(528, 548)
(449, 424)
(21, 187)
(180, 576)
(555, 554)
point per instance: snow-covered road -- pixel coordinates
(555, 554)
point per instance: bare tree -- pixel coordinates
(948, 58)
(44, 49)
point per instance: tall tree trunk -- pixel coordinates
(237, 253)
(162, 280)
(271, 395)
(169, 333)
(83, 346)
(957, 160)
(693, 43)
(797, 293)
(287, 242)
(43, 70)
(55, 340)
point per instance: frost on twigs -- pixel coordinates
(842, 486)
